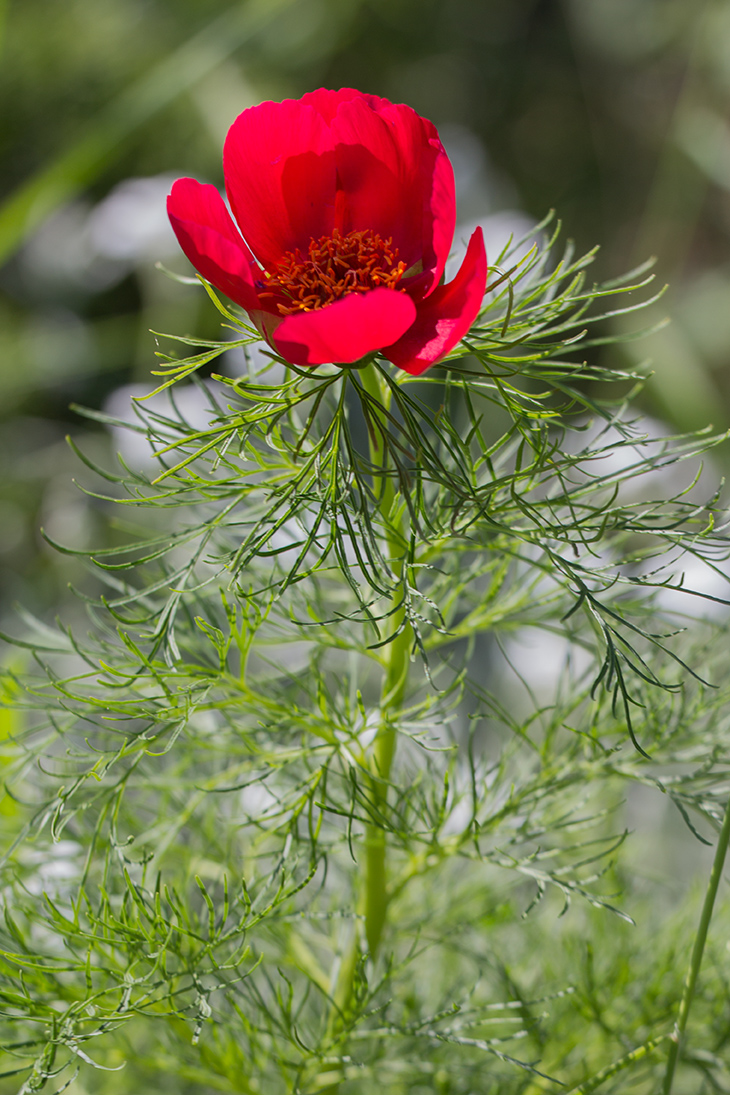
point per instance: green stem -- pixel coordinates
(374, 896)
(697, 952)
(375, 873)
(397, 662)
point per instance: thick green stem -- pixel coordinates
(697, 952)
(373, 898)
(374, 902)
(375, 874)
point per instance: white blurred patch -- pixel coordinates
(52, 867)
(692, 576)
(481, 189)
(131, 224)
(469, 161)
(458, 818)
(254, 361)
(506, 229)
(65, 516)
(500, 229)
(648, 438)
(543, 659)
(257, 801)
(91, 248)
(134, 447)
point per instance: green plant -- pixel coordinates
(304, 798)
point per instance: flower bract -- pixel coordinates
(344, 213)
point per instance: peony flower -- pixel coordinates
(345, 212)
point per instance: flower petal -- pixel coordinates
(445, 316)
(397, 180)
(431, 176)
(356, 325)
(340, 159)
(327, 102)
(211, 241)
(440, 214)
(279, 167)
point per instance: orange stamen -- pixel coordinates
(334, 266)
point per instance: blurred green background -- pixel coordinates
(614, 112)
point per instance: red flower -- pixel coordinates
(346, 209)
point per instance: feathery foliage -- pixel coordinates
(287, 815)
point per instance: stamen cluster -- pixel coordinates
(334, 265)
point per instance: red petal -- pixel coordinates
(279, 167)
(445, 316)
(397, 180)
(296, 170)
(431, 176)
(210, 240)
(327, 102)
(440, 214)
(356, 325)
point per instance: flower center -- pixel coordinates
(333, 266)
